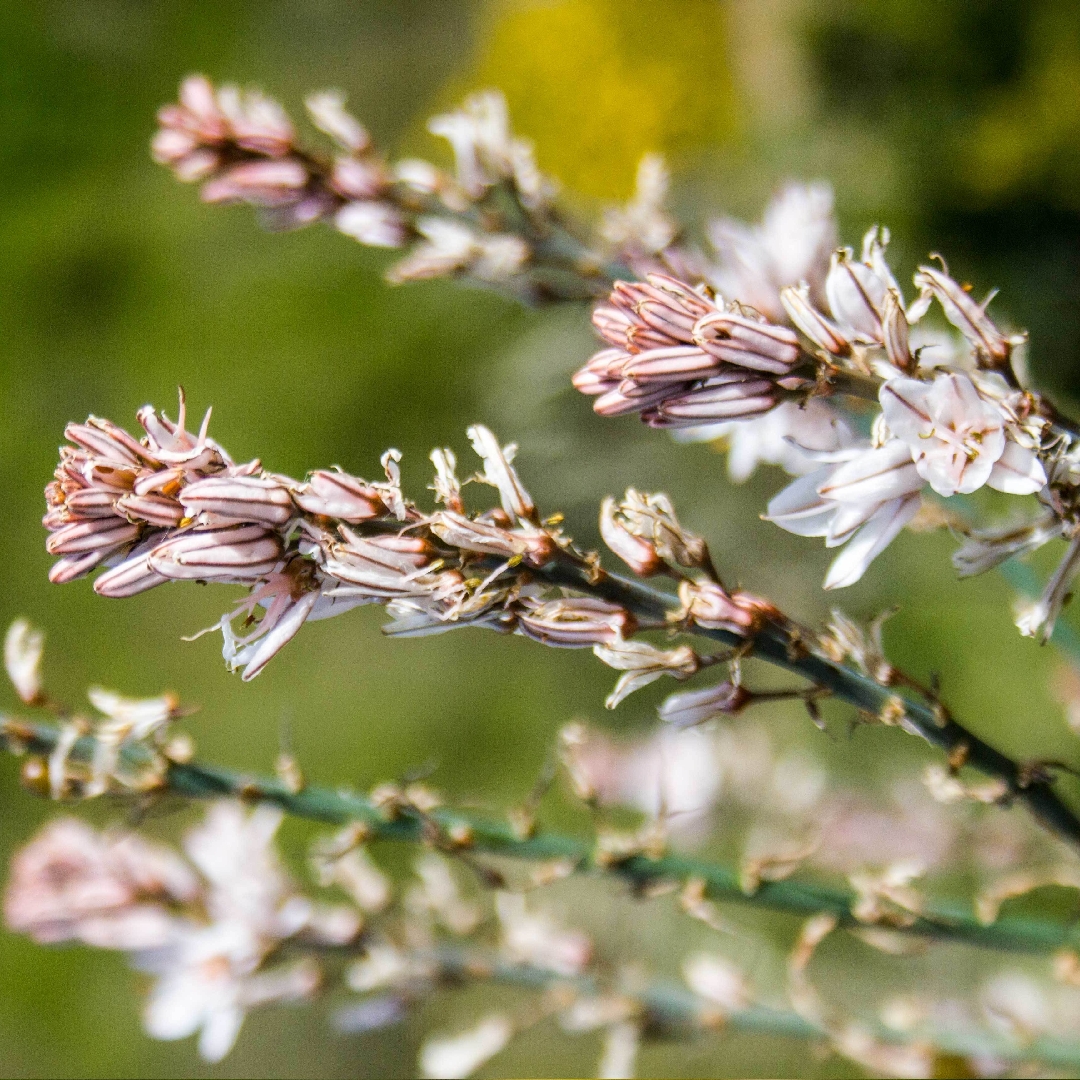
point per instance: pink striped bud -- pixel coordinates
(724, 397)
(91, 503)
(894, 327)
(94, 534)
(75, 566)
(129, 578)
(240, 499)
(749, 343)
(824, 333)
(681, 363)
(157, 510)
(333, 494)
(266, 183)
(237, 553)
(102, 443)
(613, 324)
(592, 383)
(618, 402)
(577, 623)
(637, 552)
(693, 707)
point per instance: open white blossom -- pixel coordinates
(791, 436)
(861, 501)
(957, 438)
(792, 244)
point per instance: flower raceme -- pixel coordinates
(174, 507)
(491, 219)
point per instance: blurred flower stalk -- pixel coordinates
(224, 929)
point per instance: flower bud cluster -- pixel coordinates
(489, 219)
(681, 358)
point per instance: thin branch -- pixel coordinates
(787, 648)
(668, 1008)
(461, 830)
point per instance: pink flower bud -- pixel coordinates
(91, 503)
(712, 608)
(94, 534)
(237, 553)
(239, 498)
(158, 510)
(130, 578)
(638, 553)
(748, 343)
(693, 707)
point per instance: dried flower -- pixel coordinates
(644, 663)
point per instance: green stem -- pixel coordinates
(465, 830)
(669, 1008)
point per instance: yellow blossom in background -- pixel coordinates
(598, 83)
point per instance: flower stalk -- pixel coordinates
(464, 831)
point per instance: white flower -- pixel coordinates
(789, 436)
(863, 501)
(22, 659)
(621, 1042)
(234, 850)
(200, 987)
(642, 223)
(957, 438)
(461, 1055)
(479, 132)
(792, 244)
(328, 113)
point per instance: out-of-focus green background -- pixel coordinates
(955, 122)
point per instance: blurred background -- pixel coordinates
(955, 122)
